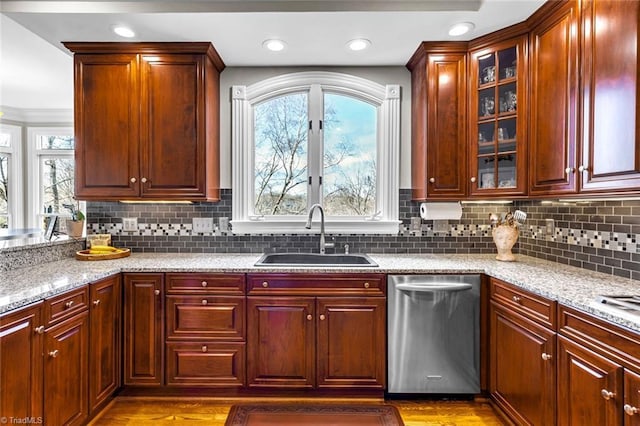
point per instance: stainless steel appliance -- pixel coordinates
(433, 334)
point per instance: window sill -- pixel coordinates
(376, 227)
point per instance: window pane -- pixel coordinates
(5, 139)
(4, 191)
(57, 183)
(281, 156)
(349, 182)
(55, 142)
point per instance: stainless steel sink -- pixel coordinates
(315, 259)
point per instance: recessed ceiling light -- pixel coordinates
(124, 31)
(358, 44)
(274, 45)
(461, 28)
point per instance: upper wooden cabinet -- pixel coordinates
(610, 102)
(146, 120)
(497, 117)
(554, 96)
(438, 125)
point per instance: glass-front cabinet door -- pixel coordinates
(497, 126)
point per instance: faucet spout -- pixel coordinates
(323, 244)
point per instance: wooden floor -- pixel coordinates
(213, 411)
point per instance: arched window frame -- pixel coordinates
(386, 99)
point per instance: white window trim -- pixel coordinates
(34, 202)
(385, 98)
(16, 202)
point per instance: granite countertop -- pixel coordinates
(568, 285)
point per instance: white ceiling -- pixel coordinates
(36, 70)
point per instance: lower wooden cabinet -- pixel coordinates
(66, 371)
(590, 387)
(21, 374)
(143, 330)
(631, 398)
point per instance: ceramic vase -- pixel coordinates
(75, 228)
(505, 236)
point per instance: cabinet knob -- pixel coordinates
(432, 180)
(322, 318)
(204, 283)
(309, 317)
(204, 348)
(133, 180)
(607, 395)
(68, 304)
(204, 301)
(156, 292)
(516, 299)
(39, 329)
(265, 284)
(96, 302)
(583, 168)
(569, 170)
(546, 357)
(143, 180)
(367, 285)
(54, 354)
(630, 409)
(473, 179)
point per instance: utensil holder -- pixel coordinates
(504, 237)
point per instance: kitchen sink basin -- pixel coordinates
(315, 259)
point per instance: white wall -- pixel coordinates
(246, 76)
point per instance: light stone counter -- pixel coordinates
(568, 285)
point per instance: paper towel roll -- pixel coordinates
(440, 211)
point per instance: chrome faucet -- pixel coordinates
(323, 244)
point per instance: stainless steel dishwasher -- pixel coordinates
(433, 334)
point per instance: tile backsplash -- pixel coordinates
(596, 235)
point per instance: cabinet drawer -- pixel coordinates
(205, 283)
(66, 305)
(206, 364)
(206, 317)
(315, 284)
(532, 306)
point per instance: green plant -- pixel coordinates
(76, 214)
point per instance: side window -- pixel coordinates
(10, 182)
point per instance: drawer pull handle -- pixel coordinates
(607, 395)
(54, 354)
(204, 348)
(156, 292)
(309, 317)
(96, 302)
(366, 285)
(265, 284)
(39, 329)
(546, 357)
(68, 304)
(516, 299)
(322, 317)
(630, 409)
(204, 301)
(204, 283)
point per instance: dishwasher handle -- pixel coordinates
(431, 287)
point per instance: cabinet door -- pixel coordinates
(281, 342)
(610, 106)
(104, 340)
(631, 398)
(66, 372)
(143, 319)
(21, 363)
(351, 342)
(106, 126)
(589, 387)
(497, 124)
(523, 368)
(173, 126)
(554, 100)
